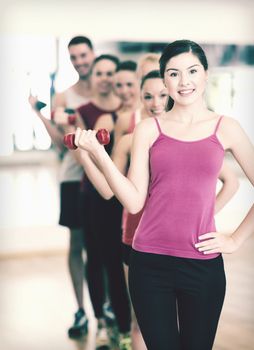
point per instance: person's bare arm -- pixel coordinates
(120, 159)
(230, 185)
(122, 124)
(59, 101)
(237, 142)
(131, 191)
(54, 133)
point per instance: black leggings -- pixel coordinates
(177, 301)
(102, 225)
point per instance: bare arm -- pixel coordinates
(68, 128)
(243, 151)
(61, 125)
(55, 134)
(121, 152)
(122, 125)
(120, 159)
(230, 185)
(131, 191)
(59, 101)
(91, 168)
(237, 142)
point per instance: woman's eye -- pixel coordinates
(193, 71)
(118, 86)
(147, 97)
(129, 85)
(98, 74)
(163, 95)
(174, 74)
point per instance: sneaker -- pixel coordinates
(125, 341)
(80, 325)
(108, 314)
(102, 338)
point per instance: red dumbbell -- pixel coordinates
(71, 115)
(103, 136)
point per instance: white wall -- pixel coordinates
(29, 28)
(224, 21)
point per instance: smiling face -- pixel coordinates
(81, 56)
(154, 97)
(103, 76)
(185, 78)
(126, 87)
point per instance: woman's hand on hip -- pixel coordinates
(216, 242)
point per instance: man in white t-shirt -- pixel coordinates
(82, 56)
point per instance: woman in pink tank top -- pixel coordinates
(176, 278)
(154, 98)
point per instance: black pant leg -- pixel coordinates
(200, 298)
(108, 226)
(94, 266)
(151, 283)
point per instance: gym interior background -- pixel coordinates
(33, 40)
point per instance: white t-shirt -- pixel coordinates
(70, 170)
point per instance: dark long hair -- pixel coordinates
(176, 48)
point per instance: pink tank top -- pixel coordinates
(129, 225)
(181, 195)
(130, 221)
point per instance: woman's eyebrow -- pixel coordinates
(194, 65)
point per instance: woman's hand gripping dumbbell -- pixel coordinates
(102, 135)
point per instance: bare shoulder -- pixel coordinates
(59, 99)
(147, 130)
(230, 125)
(231, 134)
(147, 125)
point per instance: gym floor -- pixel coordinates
(36, 298)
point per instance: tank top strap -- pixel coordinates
(218, 124)
(158, 125)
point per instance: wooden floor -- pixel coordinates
(37, 304)
(36, 297)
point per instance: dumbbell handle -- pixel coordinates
(103, 136)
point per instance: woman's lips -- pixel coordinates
(186, 92)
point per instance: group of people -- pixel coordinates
(143, 206)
